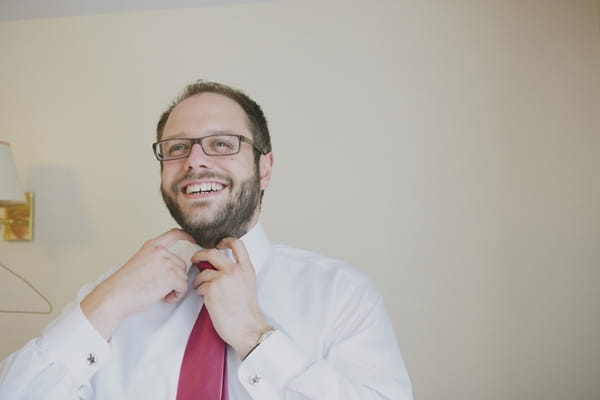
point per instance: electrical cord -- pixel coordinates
(33, 288)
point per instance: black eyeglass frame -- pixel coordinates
(199, 140)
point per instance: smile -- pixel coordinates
(205, 187)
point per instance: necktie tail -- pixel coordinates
(203, 374)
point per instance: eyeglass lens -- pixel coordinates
(211, 145)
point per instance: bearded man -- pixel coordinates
(292, 324)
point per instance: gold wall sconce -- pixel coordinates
(18, 206)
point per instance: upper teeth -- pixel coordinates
(203, 187)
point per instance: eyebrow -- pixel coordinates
(182, 135)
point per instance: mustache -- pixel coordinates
(202, 175)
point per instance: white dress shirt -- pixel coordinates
(333, 340)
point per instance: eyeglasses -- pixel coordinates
(212, 145)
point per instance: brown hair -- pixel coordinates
(257, 123)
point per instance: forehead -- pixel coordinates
(204, 114)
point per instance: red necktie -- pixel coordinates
(203, 374)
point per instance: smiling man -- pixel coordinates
(255, 320)
(211, 193)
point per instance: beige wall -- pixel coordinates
(450, 150)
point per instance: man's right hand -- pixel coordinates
(151, 275)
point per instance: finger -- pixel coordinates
(207, 275)
(238, 249)
(172, 258)
(205, 289)
(180, 286)
(175, 278)
(171, 236)
(172, 297)
(184, 250)
(219, 260)
(202, 291)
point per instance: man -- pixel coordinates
(297, 325)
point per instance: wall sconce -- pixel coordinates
(18, 206)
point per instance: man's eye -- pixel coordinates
(177, 148)
(221, 145)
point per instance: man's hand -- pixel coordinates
(230, 295)
(152, 274)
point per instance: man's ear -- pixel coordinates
(265, 167)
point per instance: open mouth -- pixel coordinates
(205, 187)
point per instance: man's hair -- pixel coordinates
(257, 123)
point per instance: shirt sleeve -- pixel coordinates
(59, 363)
(360, 361)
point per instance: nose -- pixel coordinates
(197, 158)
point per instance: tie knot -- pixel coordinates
(202, 265)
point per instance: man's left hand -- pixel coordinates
(230, 295)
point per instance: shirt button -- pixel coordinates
(255, 379)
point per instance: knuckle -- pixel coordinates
(162, 254)
(148, 244)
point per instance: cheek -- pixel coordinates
(167, 177)
(240, 169)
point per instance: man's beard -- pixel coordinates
(230, 220)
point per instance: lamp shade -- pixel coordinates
(10, 188)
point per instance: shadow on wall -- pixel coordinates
(60, 219)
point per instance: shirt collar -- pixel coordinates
(257, 245)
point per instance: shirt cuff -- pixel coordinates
(74, 342)
(271, 366)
